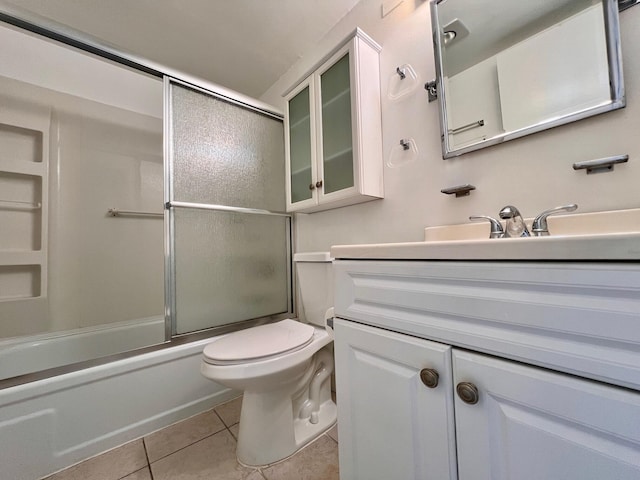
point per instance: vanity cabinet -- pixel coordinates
(486, 329)
(333, 132)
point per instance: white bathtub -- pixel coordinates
(56, 422)
(39, 352)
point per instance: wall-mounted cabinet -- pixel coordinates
(333, 133)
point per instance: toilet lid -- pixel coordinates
(259, 342)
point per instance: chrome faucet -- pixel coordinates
(539, 226)
(514, 224)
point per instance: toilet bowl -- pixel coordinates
(284, 369)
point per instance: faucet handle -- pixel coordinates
(539, 226)
(496, 227)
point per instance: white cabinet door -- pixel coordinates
(533, 424)
(391, 425)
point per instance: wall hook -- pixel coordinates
(406, 144)
(401, 72)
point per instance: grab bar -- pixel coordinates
(469, 126)
(16, 203)
(116, 212)
(225, 208)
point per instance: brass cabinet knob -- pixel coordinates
(468, 392)
(311, 186)
(319, 183)
(429, 377)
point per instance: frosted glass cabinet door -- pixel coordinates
(301, 149)
(337, 138)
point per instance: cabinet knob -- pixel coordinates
(319, 183)
(429, 377)
(468, 392)
(311, 186)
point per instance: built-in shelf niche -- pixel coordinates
(24, 144)
(19, 281)
(20, 211)
(24, 166)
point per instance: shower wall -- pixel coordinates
(105, 269)
(71, 147)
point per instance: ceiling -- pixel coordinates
(244, 45)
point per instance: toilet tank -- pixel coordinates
(315, 281)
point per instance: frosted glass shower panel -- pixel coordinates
(229, 267)
(224, 154)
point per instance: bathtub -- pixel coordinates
(40, 352)
(50, 424)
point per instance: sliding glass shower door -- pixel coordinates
(230, 243)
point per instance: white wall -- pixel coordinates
(533, 173)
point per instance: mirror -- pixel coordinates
(508, 68)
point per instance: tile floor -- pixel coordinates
(203, 447)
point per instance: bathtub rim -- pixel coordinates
(118, 361)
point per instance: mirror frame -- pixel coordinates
(614, 54)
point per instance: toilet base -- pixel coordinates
(276, 424)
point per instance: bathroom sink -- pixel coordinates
(611, 235)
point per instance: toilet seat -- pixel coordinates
(259, 343)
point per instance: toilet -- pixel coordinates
(284, 369)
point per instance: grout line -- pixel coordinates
(146, 453)
(331, 438)
(144, 444)
(218, 415)
(148, 467)
(193, 443)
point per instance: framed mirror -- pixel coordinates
(508, 68)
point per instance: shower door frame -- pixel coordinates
(170, 204)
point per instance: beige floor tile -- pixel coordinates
(182, 434)
(111, 465)
(235, 430)
(144, 474)
(230, 412)
(213, 458)
(318, 461)
(333, 432)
